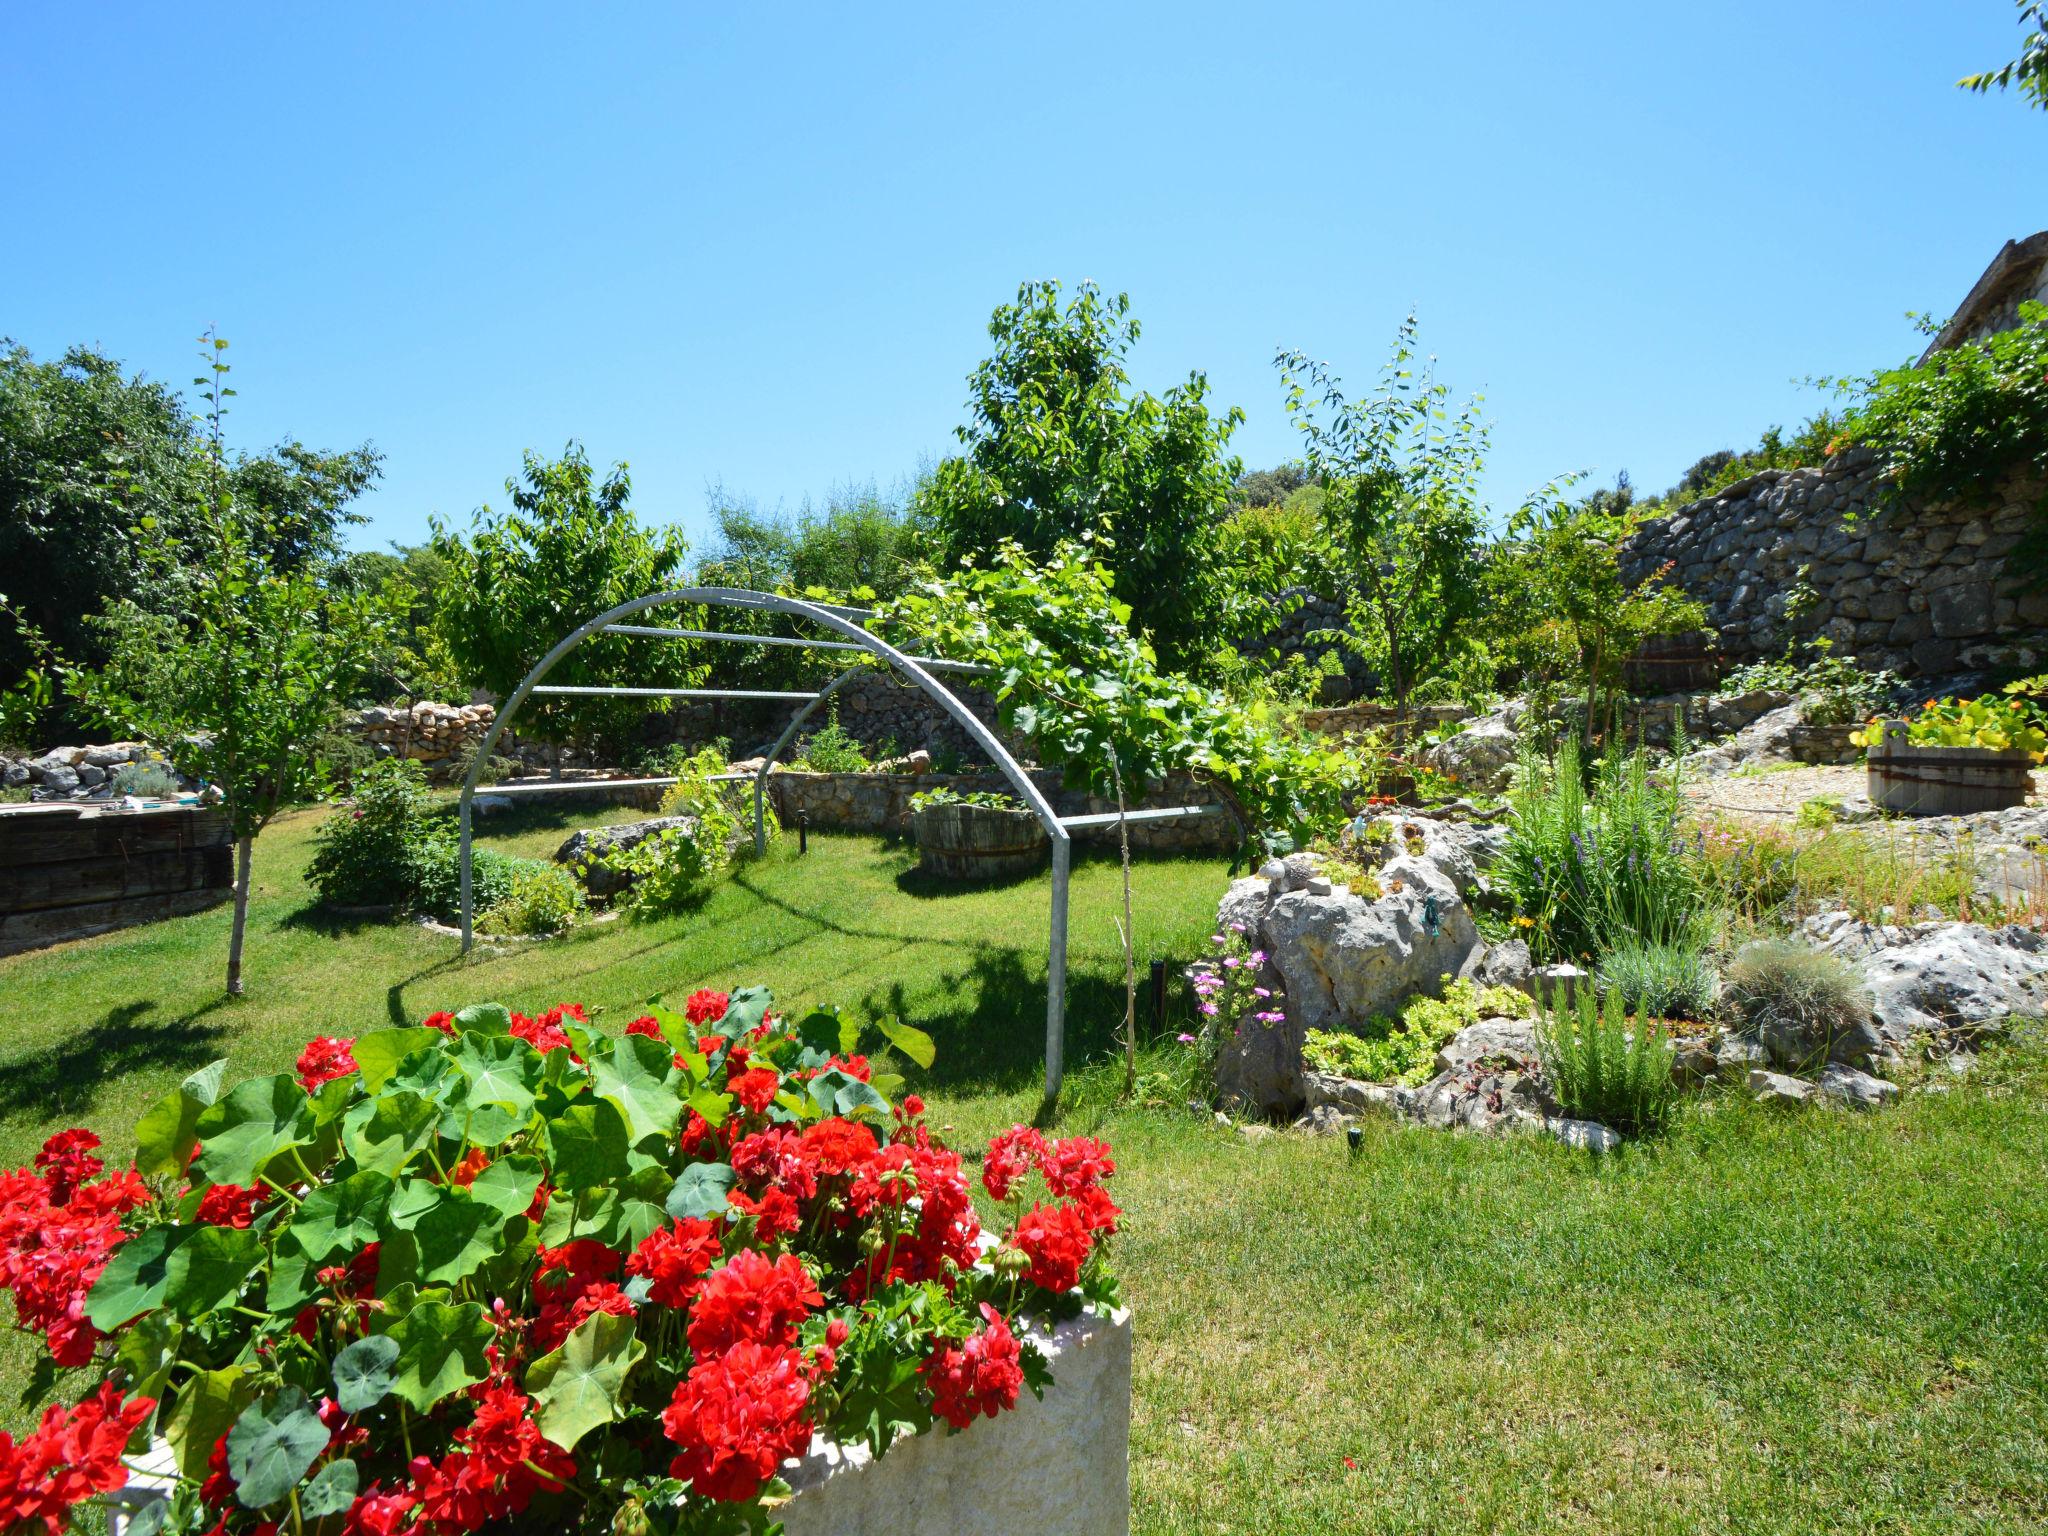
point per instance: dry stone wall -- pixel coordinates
(1921, 588)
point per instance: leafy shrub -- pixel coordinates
(672, 871)
(1670, 981)
(1818, 812)
(1784, 988)
(832, 749)
(696, 783)
(2014, 722)
(437, 876)
(1593, 871)
(545, 1294)
(1599, 1067)
(364, 853)
(541, 901)
(150, 779)
(990, 800)
(1404, 1050)
(1713, 473)
(1833, 690)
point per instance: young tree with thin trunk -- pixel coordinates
(240, 685)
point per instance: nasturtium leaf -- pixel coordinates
(292, 1277)
(256, 1122)
(398, 1263)
(167, 1134)
(821, 1034)
(508, 1185)
(711, 1106)
(484, 1019)
(364, 1371)
(428, 1073)
(206, 1407)
(638, 1209)
(579, 1215)
(911, 1041)
(332, 1491)
(701, 1190)
(271, 1446)
(209, 1268)
(387, 1132)
(838, 1092)
(146, 1349)
(342, 1218)
(135, 1277)
(440, 1351)
(328, 1102)
(678, 1031)
(588, 1141)
(149, 1520)
(500, 1069)
(379, 1052)
(410, 1200)
(743, 1010)
(582, 1385)
(481, 1125)
(638, 1079)
(457, 1234)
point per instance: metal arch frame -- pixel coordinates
(919, 670)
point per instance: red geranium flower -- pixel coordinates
(1056, 1239)
(706, 1007)
(756, 1089)
(753, 1298)
(977, 1377)
(69, 1457)
(324, 1059)
(736, 1417)
(230, 1205)
(674, 1259)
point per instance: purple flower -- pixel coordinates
(1185, 1039)
(1262, 991)
(1237, 927)
(1209, 1008)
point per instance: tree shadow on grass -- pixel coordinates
(325, 921)
(988, 1020)
(67, 1080)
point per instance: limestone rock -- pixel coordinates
(1590, 1134)
(1496, 1037)
(1956, 984)
(1480, 757)
(1507, 964)
(592, 849)
(1857, 1089)
(1776, 1088)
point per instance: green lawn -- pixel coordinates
(1760, 1322)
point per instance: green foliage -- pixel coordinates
(540, 901)
(992, 800)
(152, 778)
(569, 548)
(1602, 1069)
(1399, 473)
(673, 871)
(364, 855)
(1833, 689)
(1070, 675)
(1593, 871)
(831, 749)
(1795, 991)
(1952, 428)
(2030, 70)
(437, 875)
(1670, 981)
(1815, 442)
(1059, 447)
(2013, 720)
(1561, 597)
(1404, 1050)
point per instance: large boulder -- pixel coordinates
(1481, 756)
(591, 851)
(1956, 984)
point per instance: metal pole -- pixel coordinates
(1056, 974)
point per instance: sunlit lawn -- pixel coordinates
(1803, 1323)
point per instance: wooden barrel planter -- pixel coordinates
(1944, 781)
(1683, 663)
(977, 842)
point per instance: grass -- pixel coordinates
(1756, 1322)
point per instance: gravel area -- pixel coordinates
(1773, 797)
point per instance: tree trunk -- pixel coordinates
(242, 849)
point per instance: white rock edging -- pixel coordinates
(1053, 1466)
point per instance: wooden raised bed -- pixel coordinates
(977, 842)
(67, 873)
(1944, 781)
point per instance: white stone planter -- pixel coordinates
(1052, 1466)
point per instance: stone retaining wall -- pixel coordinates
(1919, 588)
(880, 802)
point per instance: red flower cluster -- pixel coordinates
(737, 1416)
(752, 1298)
(571, 1283)
(67, 1459)
(502, 1462)
(545, 1033)
(674, 1259)
(705, 1006)
(1056, 1238)
(977, 1377)
(325, 1059)
(57, 1233)
(229, 1205)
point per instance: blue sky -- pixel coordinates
(758, 245)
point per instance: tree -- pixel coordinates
(1399, 471)
(1059, 447)
(102, 475)
(1559, 570)
(240, 686)
(2030, 70)
(569, 548)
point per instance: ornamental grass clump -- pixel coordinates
(1671, 981)
(1601, 1067)
(1801, 999)
(507, 1271)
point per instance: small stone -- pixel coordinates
(1324, 1120)
(1589, 1134)
(1256, 1131)
(1857, 1089)
(1776, 1088)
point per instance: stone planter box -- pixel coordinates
(1052, 1466)
(978, 842)
(1944, 781)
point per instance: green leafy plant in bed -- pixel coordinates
(1404, 1050)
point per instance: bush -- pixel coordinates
(1668, 981)
(541, 901)
(1593, 872)
(1600, 1068)
(671, 871)
(437, 876)
(543, 1294)
(832, 749)
(989, 800)
(364, 853)
(1782, 988)
(152, 778)
(1832, 689)
(1404, 1050)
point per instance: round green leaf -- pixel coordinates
(364, 1372)
(701, 1190)
(271, 1446)
(331, 1492)
(256, 1122)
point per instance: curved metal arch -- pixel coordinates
(833, 617)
